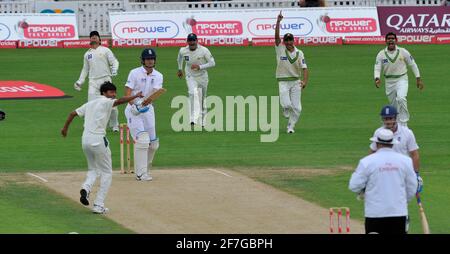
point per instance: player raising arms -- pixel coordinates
(290, 64)
(392, 60)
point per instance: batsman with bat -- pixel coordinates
(406, 145)
(140, 113)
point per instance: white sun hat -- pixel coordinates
(384, 136)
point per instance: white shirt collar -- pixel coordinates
(145, 71)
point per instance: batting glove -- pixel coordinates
(77, 86)
(419, 183)
(137, 107)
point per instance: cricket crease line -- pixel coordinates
(38, 177)
(220, 172)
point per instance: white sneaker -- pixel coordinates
(115, 129)
(99, 209)
(144, 177)
(290, 130)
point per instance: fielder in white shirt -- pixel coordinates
(95, 145)
(389, 182)
(141, 119)
(393, 61)
(100, 64)
(198, 59)
(290, 64)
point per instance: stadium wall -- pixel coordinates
(317, 26)
(94, 15)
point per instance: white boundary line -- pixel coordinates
(38, 177)
(220, 172)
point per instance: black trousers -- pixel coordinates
(387, 225)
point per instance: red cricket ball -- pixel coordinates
(326, 19)
(23, 24)
(191, 22)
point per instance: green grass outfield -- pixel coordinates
(340, 112)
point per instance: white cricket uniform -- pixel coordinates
(95, 145)
(405, 137)
(99, 63)
(197, 80)
(389, 181)
(289, 69)
(393, 64)
(140, 81)
(144, 123)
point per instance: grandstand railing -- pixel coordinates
(94, 15)
(16, 7)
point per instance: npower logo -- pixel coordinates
(49, 31)
(298, 26)
(216, 28)
(146, 29)
(350, 25)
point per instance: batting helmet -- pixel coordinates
(148, 53)
(388, 111)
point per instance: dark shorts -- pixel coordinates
(387, 225)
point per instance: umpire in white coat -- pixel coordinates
(389, 182)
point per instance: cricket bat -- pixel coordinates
(153, 96)
(423, 217)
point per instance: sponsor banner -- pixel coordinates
(249, 23)
(171, 42)
(416, 39)
(442, 39)
(38, 27)
(363, 40)
(14, 89)
(314, 41)
(127, 43)
(402, 39)
(223, 41)
(268, 41)
(418, 20)
(8, 44)
(217, 28)
(81, 43)
(40, 44)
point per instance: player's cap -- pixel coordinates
(2, 115)
(388, 111)
(288, 37)
(94, 33)
(191, 37)
(384, 136)
(148, 53)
